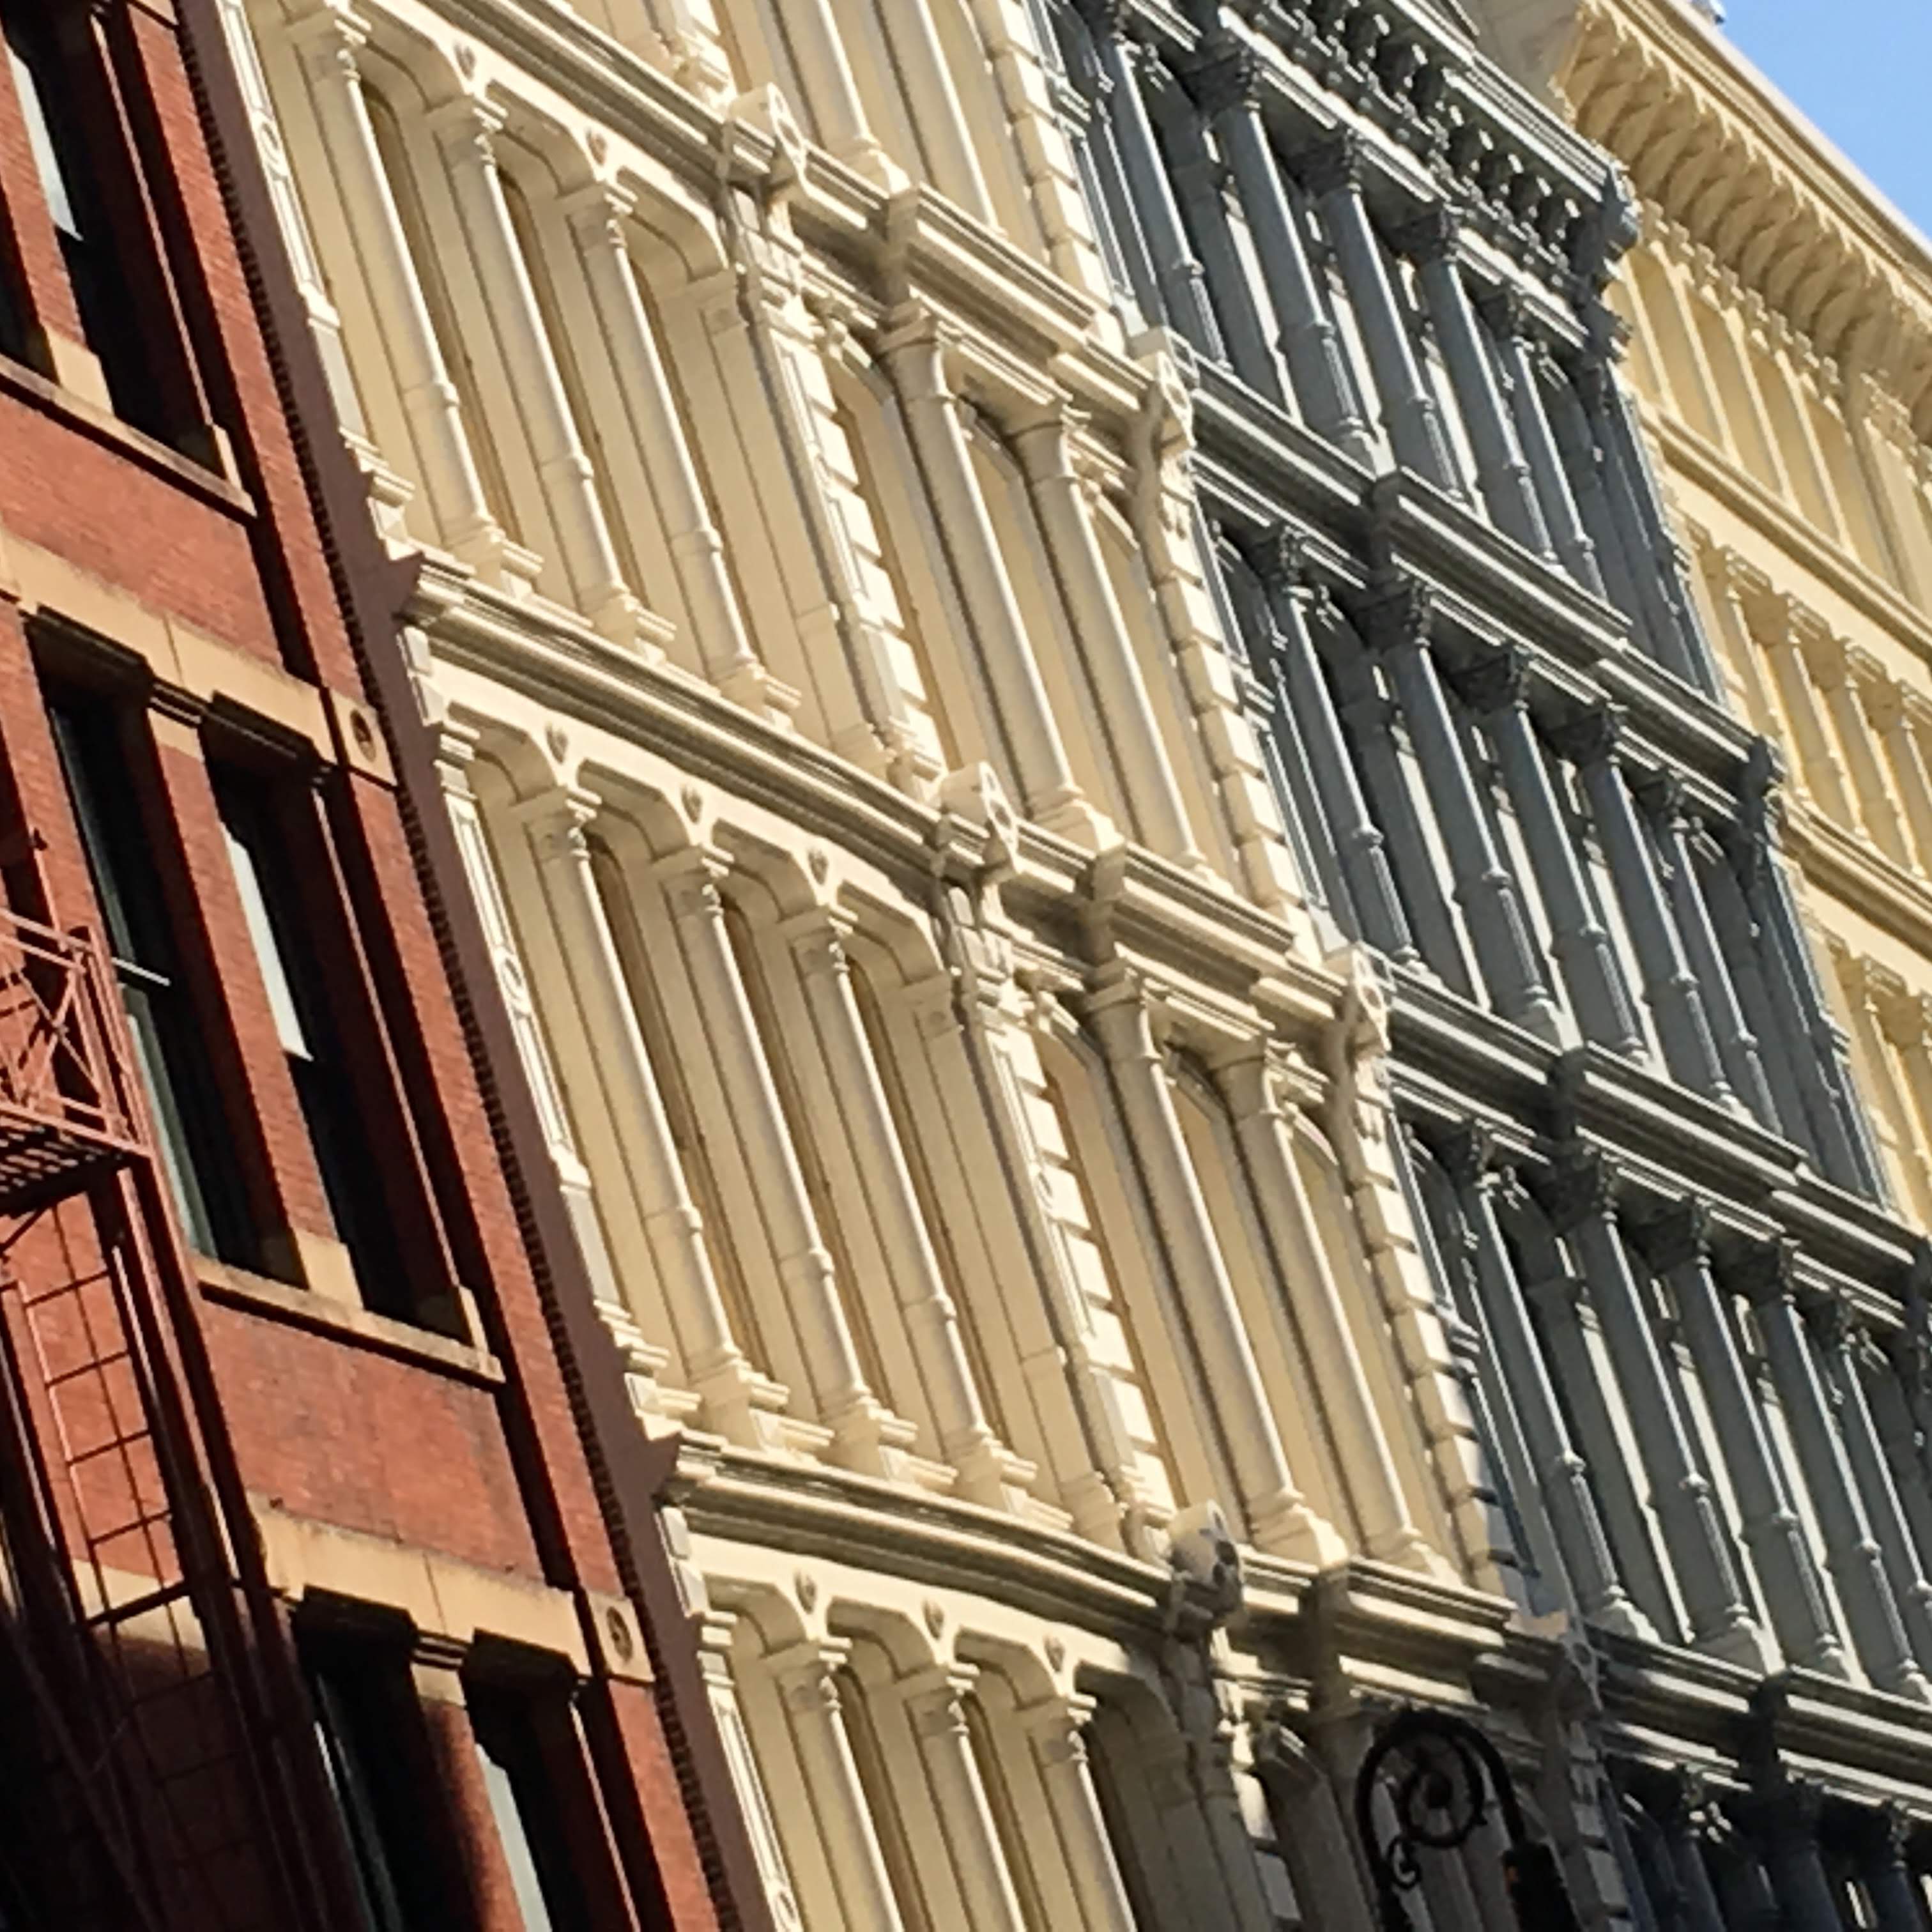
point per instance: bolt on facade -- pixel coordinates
(1150, 982)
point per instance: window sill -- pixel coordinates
(382, 1333)
(104, 426)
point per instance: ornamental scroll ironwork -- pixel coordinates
(1444, 1779)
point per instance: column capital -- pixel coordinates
(1581, 1185)
(466, 128)
(1506, 310)
(1467, 1152)
(1833, 1325)
(1434, 235)
(1591, 736)
(1679, 1236)
(556, 819)
(1336, 164)
(1498, 681)
(1402, 617)
(331, 33)
(1227, 78)
(693, 879)
(1767, 1272)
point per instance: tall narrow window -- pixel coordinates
(53, 104)
(362, 1700)
(264, 877)
(195, 1153)
(526, 1803)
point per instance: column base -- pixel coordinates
(1284, 1525)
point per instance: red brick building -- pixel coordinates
(311, 1614)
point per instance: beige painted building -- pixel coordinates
(1780, 314)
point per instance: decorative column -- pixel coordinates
(1899, 716)
(1563, 1475)
(740, 1403)
(1878, 1838)
(1144, 771)
(1737, 1045)
(1582, 1208)
(1852, 1552)
(915, 354)
(1844, 1346)
(1677, 1245)
(1589, 741)
(806, 1675)
(1310, 714)
(330, 41)
(1782, 1824)
(1229, 90)
(988, 1472)
(1278, 1515)
(1800, 644)
(933, 1706)
(1333, 173)
(1056, 1729)
(1681, 1812)
(865, 1436)
(1177, 275)
(1857, 693)
(817, 47)
(1497, 691)
(1508, 318)
(597, 218)
(1498, 928)
(464, 130)
(1897, 1362)
(1502, 472)
(1262, 1108)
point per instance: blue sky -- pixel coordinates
(1858, 69)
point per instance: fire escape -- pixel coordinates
(144, 1696)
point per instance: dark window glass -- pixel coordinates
(264, 878)
(195, 1152)
(363, 1700)
(52, 105)
(525, 1801)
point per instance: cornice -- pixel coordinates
(1711, 144)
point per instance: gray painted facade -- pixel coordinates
(1693, 1340)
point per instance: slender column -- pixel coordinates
(817, 48)
(1145, 772)
(1677, 1245)
(988, 1472)
(932, 1700)
(330, 43)
(1844, 1347)
(1279, 1516)
(465, 130)
(1055, 1727)
(1898, 714)
(1177, 274)
(1681, 1812)
(1509, 320)
(1311, 716)
(1878, 1838)
(1333, 173)
(912, 35)
(1589, 741)
(1229, 93)
(1852, 1552)
(1262, 1111)
(1784, 1825)
(597, 217)
(1200, 179)
(1737, 1044)
(1898, 1365)
(864, 1435)
(1857, 693)
(1563, 1475)
(1799, 643)
(806, 1676)
(916, 356)
(1633, 499)
(738, 1402)
(1497, 691)
(1583, 1207)
(1502, 472)
(1498, 928)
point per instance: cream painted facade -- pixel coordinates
(1035, 614)
(981, 1146)
(1781, 331)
